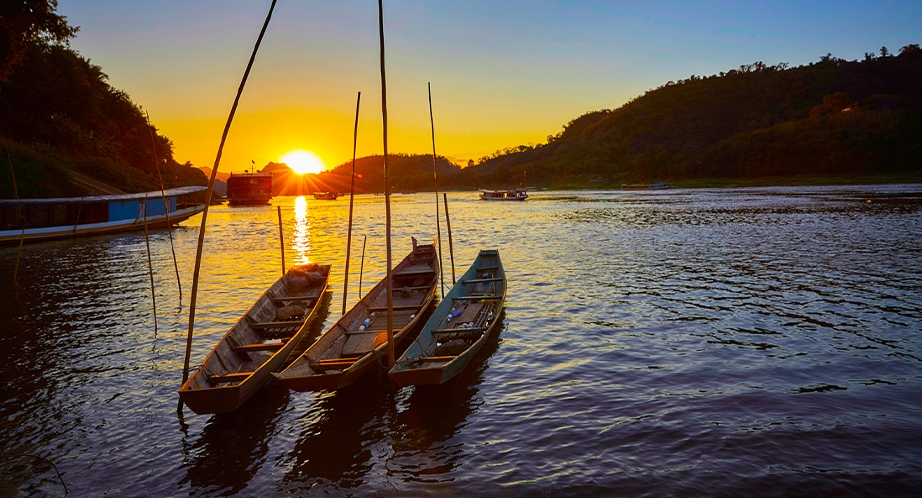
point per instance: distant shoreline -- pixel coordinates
(792, 181)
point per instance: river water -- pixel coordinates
(729, 342)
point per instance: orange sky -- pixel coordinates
(503, 73)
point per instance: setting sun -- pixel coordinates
(303, 161)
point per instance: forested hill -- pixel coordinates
(408, 172)
(58, 115)
(834, 117)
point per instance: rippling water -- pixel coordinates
(687, 342)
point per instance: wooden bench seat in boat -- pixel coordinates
(277, 330)
(228, 377)
(252, 348)
(332, 364)
(459, 333)
(474, 298)
(436, 358)
(276, 325)
(417, 270)
(410, 288)
(482, 280)
(279, 300)
(488, 268)
(409, 307)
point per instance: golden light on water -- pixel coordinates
(302, 237)
(303, 161)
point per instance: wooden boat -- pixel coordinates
(352, 347)
(326, 196)
(46, 219)
(652, 186)
(458, 327)
(258, 344)
(249, 189)
(517, 194)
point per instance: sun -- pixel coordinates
(303, 161)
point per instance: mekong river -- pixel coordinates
(729, 342)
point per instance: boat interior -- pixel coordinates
(267, 327)
(364, 328)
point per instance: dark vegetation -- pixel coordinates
(408, 172)
(830, 118)
(58, 114)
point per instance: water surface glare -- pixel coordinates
(687, 342)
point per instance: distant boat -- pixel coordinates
(45, 219)
(653, 186)
(459, 326)
(326, 196)
(258, 344)
(352, 347)
(249, 189)
(517, 194)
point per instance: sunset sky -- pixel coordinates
(503, 73)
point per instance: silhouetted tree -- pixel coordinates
(23, 22)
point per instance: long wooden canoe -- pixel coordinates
(458, 327)
(354, 344)
(65, 217)
(258, 344)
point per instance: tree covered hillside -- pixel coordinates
(408, 172)
(58, 114)
(831, 117)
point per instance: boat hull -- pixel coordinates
(339, 358)
(504, 195)
(200, 392)
(33, 220)
(422, 364)
(64, 232)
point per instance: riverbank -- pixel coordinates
(771, 181)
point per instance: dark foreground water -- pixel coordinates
(688, 342)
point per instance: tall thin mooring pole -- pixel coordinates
(387, 196)
(451, 247)
(355, 139)
(211, 182)
(435, 178)
(281, 241)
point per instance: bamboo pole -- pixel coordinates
(22, 236)
(166, 208)
(451, 248)
(150, 265)
(387, 196)
(77, 217)
(355, 139)
(211, 181)
(435, 179)
(362, 267)
(281, 240)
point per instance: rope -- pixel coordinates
(150, 265)
(22, 236)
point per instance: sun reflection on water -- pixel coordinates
(302, 238)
